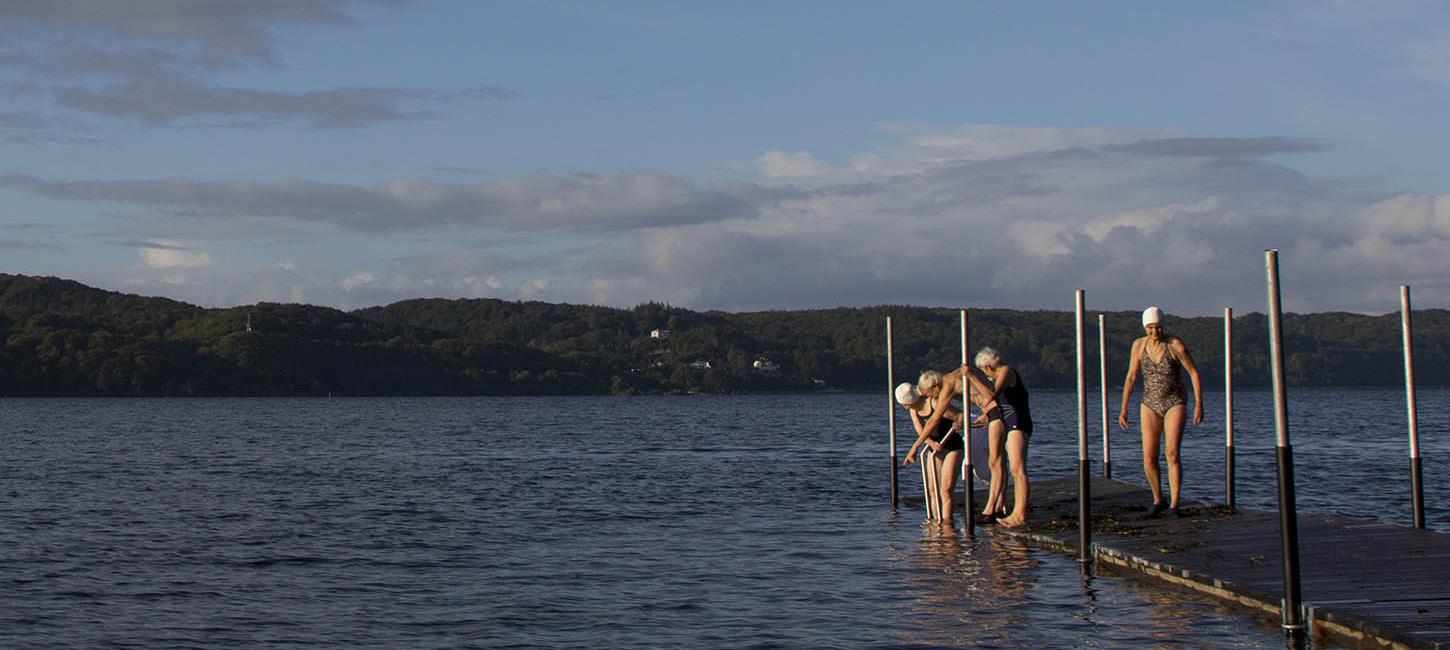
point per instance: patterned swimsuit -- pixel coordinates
(1162, 384)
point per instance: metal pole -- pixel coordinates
(1417, 485)
(1292, 617)
(925, 483)
(891, 410)
(933, 496)
(1084, 489)
(969, 500)
(1103, 385)
(1228, 406)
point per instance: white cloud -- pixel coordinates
(165, 255)
(777, 164)
(358, 280)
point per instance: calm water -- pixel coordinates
(751, 521)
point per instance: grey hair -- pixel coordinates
(989, 358)
(928, 382)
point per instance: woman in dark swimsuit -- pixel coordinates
(1158, 357)
(1012, 433)
(944, 437)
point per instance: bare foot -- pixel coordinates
(1012, 522)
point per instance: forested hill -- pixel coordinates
(64, 338)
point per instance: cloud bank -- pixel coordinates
(148, 61)
(963, 216)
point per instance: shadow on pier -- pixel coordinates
(1371, 584)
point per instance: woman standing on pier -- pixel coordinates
(1012, 431)
(945, 436)
(1158, 357)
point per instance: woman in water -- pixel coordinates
(944, 437)
(1162, 415)
(1012, 431)
(948, 386)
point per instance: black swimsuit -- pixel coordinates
(953, 441)
(1016, 413)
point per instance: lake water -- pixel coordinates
(706, 521)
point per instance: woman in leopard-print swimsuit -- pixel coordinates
(1157, 357)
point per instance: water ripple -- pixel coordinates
(741, 522)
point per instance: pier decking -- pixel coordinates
(1372, 584)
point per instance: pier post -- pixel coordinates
(1103, 390)
(1417, 485)
(1084, 488)
(891, 411)
(1228, 407)
(1291, 616)
(969, 500)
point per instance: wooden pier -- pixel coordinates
(1370, 584)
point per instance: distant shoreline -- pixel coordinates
(65, 339)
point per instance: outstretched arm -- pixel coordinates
(1186, 359)
(920, 436)
(1134, 362)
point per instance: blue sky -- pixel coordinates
(739, 156)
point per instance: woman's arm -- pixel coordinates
(920, 436)
(950, 385)
(983, 395)
(1134, 360)
(999, 379)
(1186, 359)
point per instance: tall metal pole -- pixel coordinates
(933, 492)
(1084, 489)
(1292, 617)
(928, 480)
(891, 409)
(969, 501)
(1103, 386)
(1228, 407)
(1417, 485)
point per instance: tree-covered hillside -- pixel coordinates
(64, 338)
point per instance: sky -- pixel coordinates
(738, 156)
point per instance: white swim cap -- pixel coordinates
(1152, 315)
(906, 394)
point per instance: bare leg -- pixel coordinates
(951, 464)
(1173, 423)
(1152, 427)
(1021, 489)
(997, 462)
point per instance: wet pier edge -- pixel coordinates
(1368, 584)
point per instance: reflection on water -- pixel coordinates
(752, 521)
(990, 572)
(996, 591)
